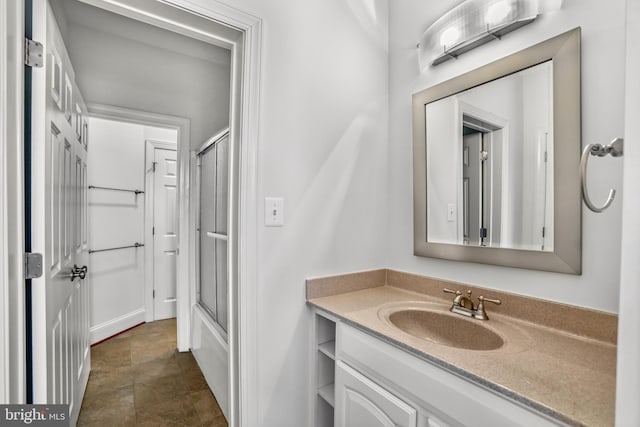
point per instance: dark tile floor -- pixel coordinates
(138, 378)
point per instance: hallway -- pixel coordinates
(138, 378)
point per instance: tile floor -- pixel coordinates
(138, 378)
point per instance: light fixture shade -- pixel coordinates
(475, 22)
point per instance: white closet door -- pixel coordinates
(166, 233)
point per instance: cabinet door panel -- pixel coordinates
(362, 403)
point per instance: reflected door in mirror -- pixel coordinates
(489, 152)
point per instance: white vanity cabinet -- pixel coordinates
(378, 384)
(361, 402)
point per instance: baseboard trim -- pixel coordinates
(116, 334)
(112, 327)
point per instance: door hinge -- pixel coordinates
(153, 231)
(546, 156)
(33, 53)
(153, 167)
(544, 229)
(32, 265)
(154, 293)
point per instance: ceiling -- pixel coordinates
(73, 13)
(126, 63)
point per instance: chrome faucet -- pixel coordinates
(463, 305)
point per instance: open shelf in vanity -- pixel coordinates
(325, 350)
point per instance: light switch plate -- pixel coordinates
(273, 211)
(451, 212)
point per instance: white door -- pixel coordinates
(61, 356)
(362, 403)
(165, 237)
(472, 184)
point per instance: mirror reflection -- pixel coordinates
(489, 154)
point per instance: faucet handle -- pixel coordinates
(480, 313)
(495, 301)
(451, 291)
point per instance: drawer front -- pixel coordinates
(436, 391)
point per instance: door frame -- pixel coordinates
(242, 33)
(628, 371)
(183, 125)
(465, 109)
(12, 284)
(149, 222)
(244, 124)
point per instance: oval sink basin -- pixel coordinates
(446, 329)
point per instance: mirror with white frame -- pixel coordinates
(496, 156)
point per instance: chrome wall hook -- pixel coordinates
(615, 149)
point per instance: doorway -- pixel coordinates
(242, 130)
(482, 152)
(126, 257)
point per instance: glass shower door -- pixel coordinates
(213, 164)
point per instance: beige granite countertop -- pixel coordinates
(563, 374)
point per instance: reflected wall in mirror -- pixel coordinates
(489, 172)
(496, 156)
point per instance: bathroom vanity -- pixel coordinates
(378, 363)
(495, 168)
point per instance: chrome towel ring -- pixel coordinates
(616, 149)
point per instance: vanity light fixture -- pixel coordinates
(476, 22)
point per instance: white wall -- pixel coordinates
(323, 147)
(537, 115)
(603, 37)
(116, 278)
(130, 64)
(444, 180)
